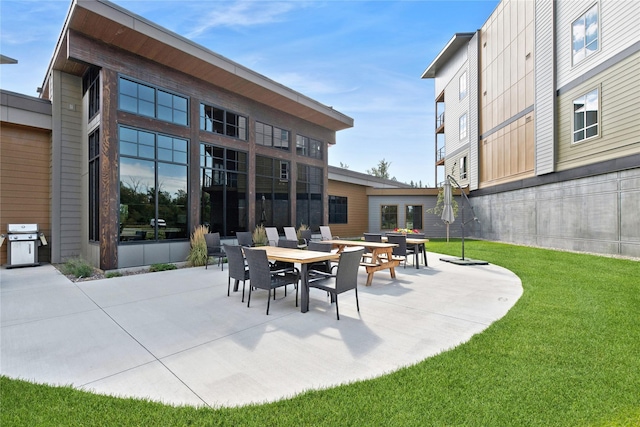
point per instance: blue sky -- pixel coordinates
(363, 58)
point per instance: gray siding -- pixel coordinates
(66, 166)
(544, 87)
(432, 224)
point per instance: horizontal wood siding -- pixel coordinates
(619, 126)
(357, 208)
(24, 181)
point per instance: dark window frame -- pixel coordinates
(309, 147)
(338, 210)
(309, 196)
(94, 185)
(266, 132)
(388, 219)
(221, 121)
(158, 92)
(410, 212)
(144, 153)
(91, 84)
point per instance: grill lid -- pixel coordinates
(22, 228)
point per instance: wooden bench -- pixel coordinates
(372, 267)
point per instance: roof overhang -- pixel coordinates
(116, 26)
(457, 41)
(7, 60)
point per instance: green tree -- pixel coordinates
(382, 171)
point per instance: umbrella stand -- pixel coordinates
(463, 260)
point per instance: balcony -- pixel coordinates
(440, 123)
(440, 155)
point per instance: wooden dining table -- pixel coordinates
(381, 256)
(302, 257)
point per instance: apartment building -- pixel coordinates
(555, 158)
(152, 135)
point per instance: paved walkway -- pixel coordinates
(177, 338)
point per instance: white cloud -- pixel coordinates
(241, 14)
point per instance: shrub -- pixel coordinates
(259, 236)
(77, 267)
(198, 253)
(111, 274)
(301, 228)
(162, 267)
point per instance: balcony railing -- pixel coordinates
(440, 121)
(440, 154)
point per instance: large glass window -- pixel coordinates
(94, 186)
(223, 186)
(463, 85)
(91, 87)
(338, 210)
(309, 207)
(153, 186)
(463, 167)
(413, 217)
(272, 192)
(308, 147)
(149, 101)
(463, 126)
(218, 120)
(388, 217)
(584, 35)
(585, 116)
(272, 136)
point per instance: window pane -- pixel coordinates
(127, 87)
(165, 113)
(128, 103)
(591, 25)
(137, 177)
(172, 200)
(146, 108)
(146, 93)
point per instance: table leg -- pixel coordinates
(424, 255)
(416, 256)
(304, 298)
(389, 258)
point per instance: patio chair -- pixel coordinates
(324, 266)
(346, 277)
(245, 238)
(420, 248)
(272, 236)
(371, 237)
(290, 234)
(281, 265)
(325, 232)
(237, 267)
(306, 235)
(400, 251)
(262, 277)
(214, 249)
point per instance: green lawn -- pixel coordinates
(568, 353)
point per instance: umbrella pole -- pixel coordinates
(447, 232)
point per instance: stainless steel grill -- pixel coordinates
(24, 240)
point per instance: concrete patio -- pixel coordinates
(177, 338)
